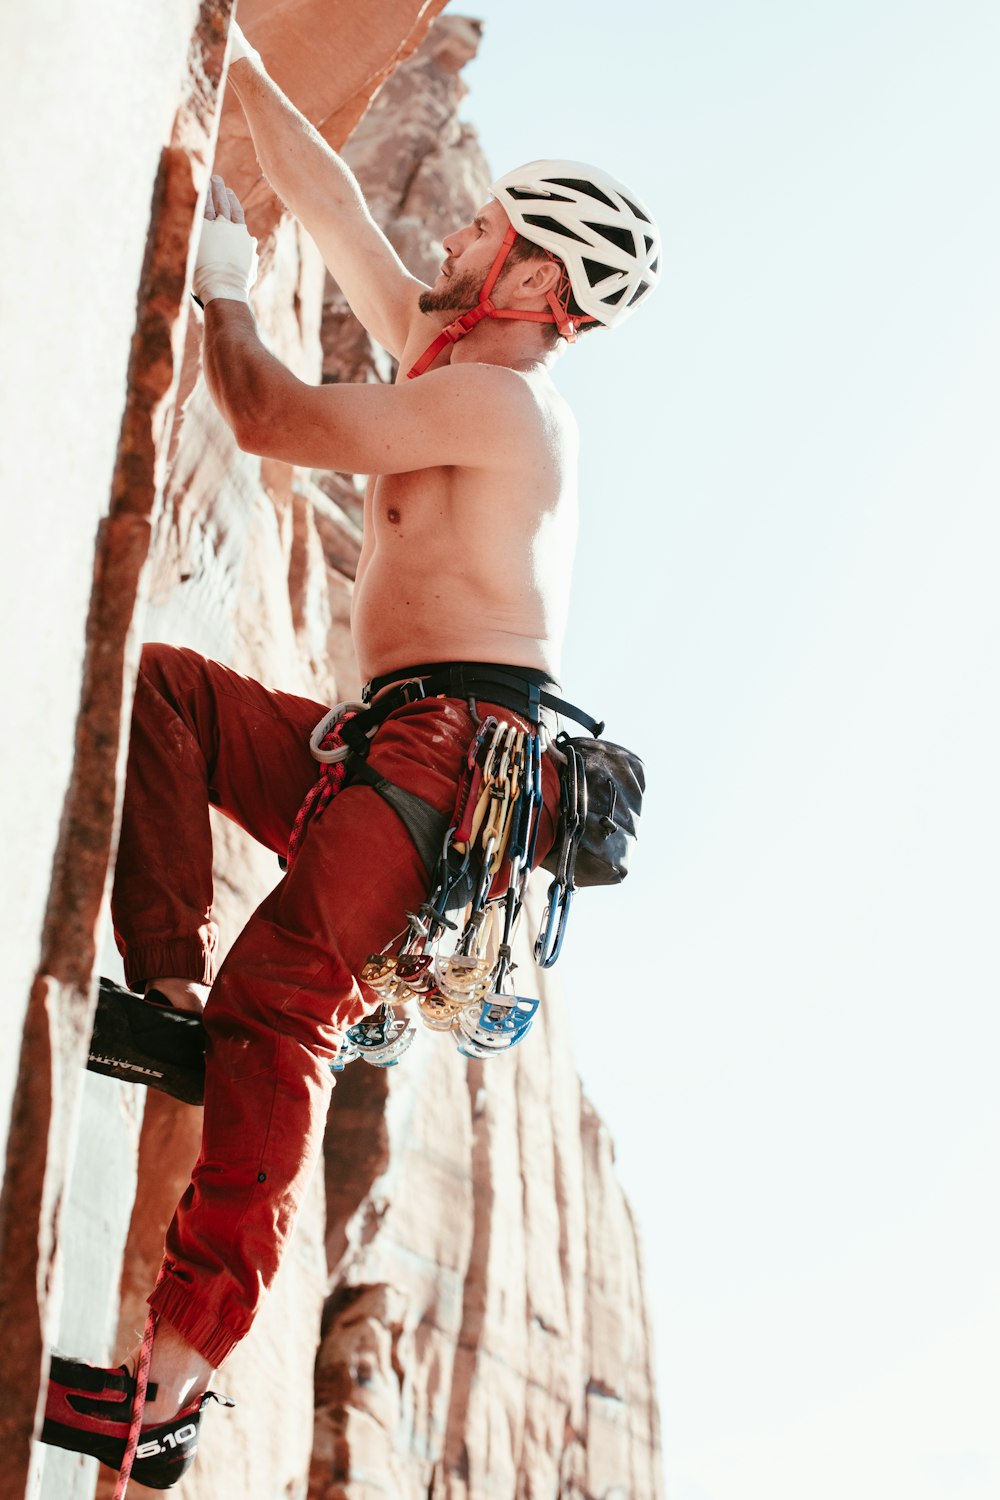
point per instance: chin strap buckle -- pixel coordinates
(466, 322)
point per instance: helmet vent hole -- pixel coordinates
(615, 297)
(542, 221)
(615, 235)
(636, 210)
(640, 291)
(580, 185)
(597, 272)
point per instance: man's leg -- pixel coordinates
(274, 1021)
(201, 734)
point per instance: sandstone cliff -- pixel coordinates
(463, 1313)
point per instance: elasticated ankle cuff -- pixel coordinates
(170, 958)
(209, 1338)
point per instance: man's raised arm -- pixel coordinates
(323, 194)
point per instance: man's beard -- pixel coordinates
(461, 293)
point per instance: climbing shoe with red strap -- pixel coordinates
(89, 1410)
(143, 1039)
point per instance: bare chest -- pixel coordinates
(408, 508)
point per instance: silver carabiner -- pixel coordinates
(324, 727)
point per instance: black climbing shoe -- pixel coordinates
(142, 1039)
(89, 1410)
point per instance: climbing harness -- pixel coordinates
(453, 961)
(452, 964)
(521, 689)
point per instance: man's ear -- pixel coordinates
(535, 278)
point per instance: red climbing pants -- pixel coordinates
(204, 735)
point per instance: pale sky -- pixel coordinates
(787, 602)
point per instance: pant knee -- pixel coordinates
(163, 666)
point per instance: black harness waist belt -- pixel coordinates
(524, 690)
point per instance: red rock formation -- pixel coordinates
(486, 1332)
(468, 1269)
(60, 1008)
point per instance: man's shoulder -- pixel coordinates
(503, 391)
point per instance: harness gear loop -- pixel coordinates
(324, 732)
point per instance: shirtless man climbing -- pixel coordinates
(459, 610)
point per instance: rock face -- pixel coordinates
(486, 1332)
(462, 1314)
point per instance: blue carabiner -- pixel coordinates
(548, 944)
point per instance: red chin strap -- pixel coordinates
(484, 308)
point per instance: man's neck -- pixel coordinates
(518, 346)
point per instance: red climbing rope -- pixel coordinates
(322, 792)
(138, 1406)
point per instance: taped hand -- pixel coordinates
(226, 263)
(239, 46)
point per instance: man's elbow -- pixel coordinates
(253, 428)
(240, 413)
(248, 434)
(267, 435)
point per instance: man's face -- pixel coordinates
(469, 254)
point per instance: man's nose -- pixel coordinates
(458, 239)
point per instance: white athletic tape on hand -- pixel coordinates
(239, 46)
(226, 264)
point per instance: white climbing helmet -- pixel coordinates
(605, 240)
(604, 235)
